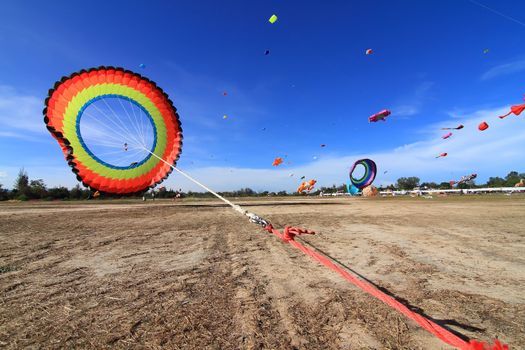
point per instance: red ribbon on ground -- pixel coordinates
(288, 235)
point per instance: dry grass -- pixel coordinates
(194, 275)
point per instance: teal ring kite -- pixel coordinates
(369, 175)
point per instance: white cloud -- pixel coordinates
(493, 152)
(504, 69)
(20, 113)
(411, 105)
(11, 134)
(406, 110)
(3, 174)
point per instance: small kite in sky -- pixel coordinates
(467, 178)
(379, 116)
(291, 174)
(485, 51)
(142, 65)
(323, 145)
(224, 93)
(306, 186)
(273, 19)
(442, 155)
(460, 126)
(314, 157)
(444, 137)
(303, 177)
(369, 51)
(483, 126)
(277, 161)
(267, 52)
(224, 117)
(514, 110)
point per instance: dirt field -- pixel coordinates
(196, 275)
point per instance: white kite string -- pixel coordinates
(234, 206)
(497, 12)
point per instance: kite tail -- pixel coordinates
(503, 116)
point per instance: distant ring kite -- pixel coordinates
(113, 125)
(369, 175)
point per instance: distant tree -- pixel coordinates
(60, 192)
(512, 178)
(467, 184)
(79, 192)
(341, 188)
(445, 186)
(407, 183)
(429, 185)
(391, 187)
(76, 192)
(22, 184)
(496, 182)
(4, 193)
(282, 193)
(247, 191)
(37, 189)
(325, 189)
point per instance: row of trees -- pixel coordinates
(26, 189)
(409, 183)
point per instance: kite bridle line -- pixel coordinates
(253, 217)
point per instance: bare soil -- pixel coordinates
(196, 275)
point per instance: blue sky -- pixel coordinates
(315, 87)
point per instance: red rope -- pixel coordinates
(445, 335)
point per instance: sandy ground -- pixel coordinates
(196, 275)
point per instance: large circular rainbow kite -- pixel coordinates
(369, 175)
(114, 127)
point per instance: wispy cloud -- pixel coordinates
(411, 104)
(16, 135)
(406, 110)
(492, 152)
(504, 69)
(20, 113)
